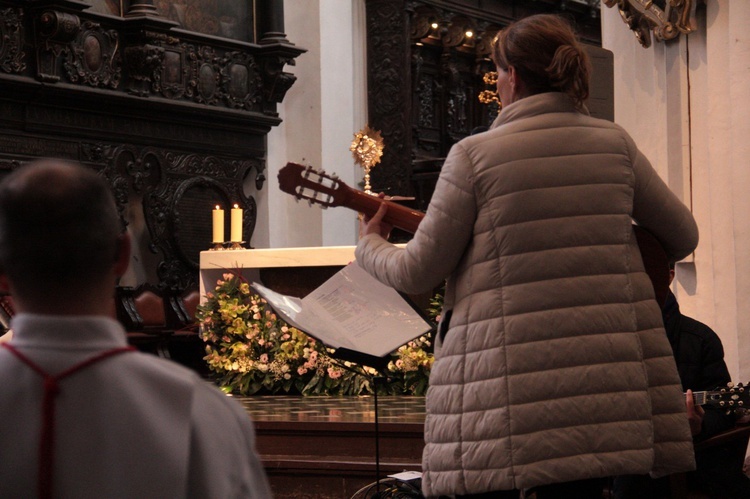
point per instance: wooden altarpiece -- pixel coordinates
(426, 60)
(170, 101)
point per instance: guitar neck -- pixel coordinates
(397, 215)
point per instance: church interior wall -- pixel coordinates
(685, 102)
(320, 115)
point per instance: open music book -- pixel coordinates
(352, 312)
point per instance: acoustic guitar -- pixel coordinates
(325, 190)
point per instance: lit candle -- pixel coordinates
(218, 225)
(236, 224)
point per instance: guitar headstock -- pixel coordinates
(733, 398)
(316, 187)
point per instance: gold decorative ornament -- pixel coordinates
(667, 19)
(490, 96)
(367, 149)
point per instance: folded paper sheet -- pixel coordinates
(352, 311)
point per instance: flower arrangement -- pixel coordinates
(251, 350)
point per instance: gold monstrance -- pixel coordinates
(367, 148)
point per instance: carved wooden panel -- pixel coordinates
(389, 92)
(175, 120)
(426, 63)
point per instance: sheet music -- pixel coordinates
(351, 310)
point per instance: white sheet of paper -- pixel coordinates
(351, 310)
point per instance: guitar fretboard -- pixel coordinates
(700, 398)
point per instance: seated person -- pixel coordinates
(699, 355)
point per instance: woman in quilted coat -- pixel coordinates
(553, 369)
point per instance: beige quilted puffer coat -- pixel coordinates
(555, 365)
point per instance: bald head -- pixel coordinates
(59, 229)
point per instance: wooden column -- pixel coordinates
(270, 16)
(138, 8)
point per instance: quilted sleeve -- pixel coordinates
(659, 210)
(440, 240)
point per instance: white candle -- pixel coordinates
(236, 224)
(218, 214)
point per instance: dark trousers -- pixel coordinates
(579, 489)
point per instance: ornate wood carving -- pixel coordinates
(389, 96)
(426, 63)
(11, 41)
(175, 120)
(667, 19)
(93, 59)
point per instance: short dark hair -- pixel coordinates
(546, 54)
(58, 227)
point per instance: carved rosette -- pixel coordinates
(11, 41)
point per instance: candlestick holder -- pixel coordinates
(218, 246)
(236, 245)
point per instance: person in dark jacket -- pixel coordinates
(699, 355)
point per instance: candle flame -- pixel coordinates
(236, 206)
(218, 207)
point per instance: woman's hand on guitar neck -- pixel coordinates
(375, 225)
(694, 413)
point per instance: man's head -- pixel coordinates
(60, 235)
